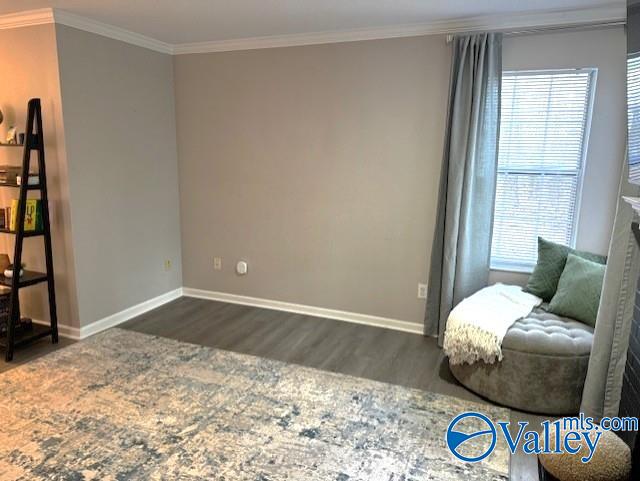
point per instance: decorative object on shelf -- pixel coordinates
(21, 138)
(5, 262)
(12, 136)
(3, 219)
(34, 144)
(34, 179)
(8, 272)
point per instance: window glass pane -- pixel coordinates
(528, 206)
(542, 120)
(633, 120)
(542, 134)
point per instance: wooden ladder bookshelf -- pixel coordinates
(34, 141)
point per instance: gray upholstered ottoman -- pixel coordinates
(545, 359)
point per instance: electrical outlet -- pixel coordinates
(422, 291)
(167, 265)
(217, 263)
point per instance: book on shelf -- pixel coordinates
(32, 216)
(10, 174)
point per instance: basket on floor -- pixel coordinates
(5, 303)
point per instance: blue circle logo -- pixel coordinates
(467, 427)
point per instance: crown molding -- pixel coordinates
(63, 17)
(29, 18)
(564, 18)
(45, 16)
(612, 14)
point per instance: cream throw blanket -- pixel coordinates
(478, 324)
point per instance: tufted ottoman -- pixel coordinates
(545, 359)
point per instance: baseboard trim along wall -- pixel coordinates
(353, 317)
(117, 318)
(133, 311)
(63, 330)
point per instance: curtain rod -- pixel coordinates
(534, 30)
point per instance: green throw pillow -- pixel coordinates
(579, 288)
(552, 257)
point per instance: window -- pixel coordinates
(545, 117)
(633, 117)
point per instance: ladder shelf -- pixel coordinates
(34, 141)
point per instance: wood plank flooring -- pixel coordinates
(25, 354)
(379, 354)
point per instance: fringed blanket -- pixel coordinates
(478, 324)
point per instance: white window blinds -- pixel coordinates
(633, 117)
(544, 123)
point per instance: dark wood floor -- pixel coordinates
(33, 351)
(380, 354)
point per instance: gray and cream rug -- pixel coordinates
(123, 405)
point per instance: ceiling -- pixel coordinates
(181, 22)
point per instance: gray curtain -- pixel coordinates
(601, 395)
(462, 237)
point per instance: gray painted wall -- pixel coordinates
(119, 124)
(29, 68)
(319, 164)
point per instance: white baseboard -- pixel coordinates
(133, 311)
(354, 317)
(129, 313)
(115, 319)
(63, 330)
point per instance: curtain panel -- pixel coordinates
(461, 247)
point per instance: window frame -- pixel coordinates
(520, 266)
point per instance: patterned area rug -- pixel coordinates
(123, 405)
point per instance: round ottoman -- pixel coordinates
(545, 359)
(611, 462)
